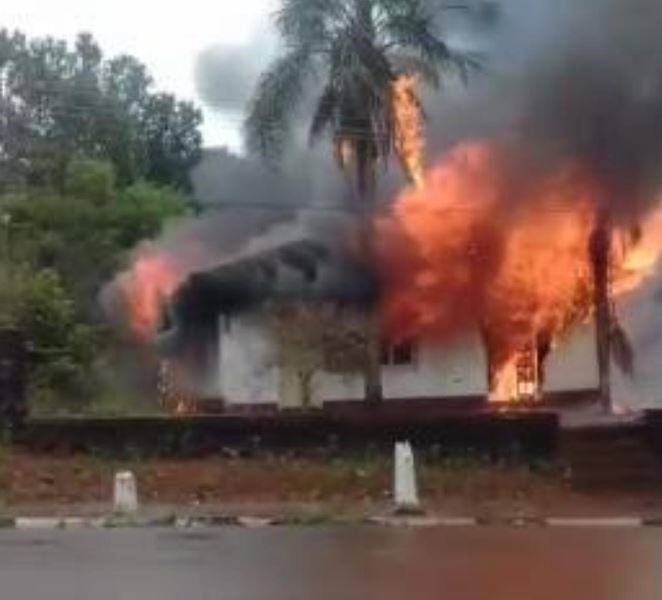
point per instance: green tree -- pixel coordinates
(169, 130)
(59, 104)
(359, 49)
(85, 233)
(62, 348)
(57, 250)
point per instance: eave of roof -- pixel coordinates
(304, 270)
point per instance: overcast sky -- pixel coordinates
(167, 36)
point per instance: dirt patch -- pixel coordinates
(51, 483)
(35, 479)
(263, 480)
(27, 478)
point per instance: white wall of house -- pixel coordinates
(640, 314)
(248, 372)
(455, 369)
(573, 365)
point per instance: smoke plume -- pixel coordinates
(562, 81)
(569, 80)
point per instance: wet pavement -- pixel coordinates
(363, 563)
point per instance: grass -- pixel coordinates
(105, 403)
(101, 460)
(121, 405)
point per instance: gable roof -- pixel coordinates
(302, 269)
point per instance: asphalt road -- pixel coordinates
(332, 563)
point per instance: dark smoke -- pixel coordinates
(305, 179)
(578, 80)
(563, 79)
(225, 76)
(601, 99)
(248, 209)
(301, 269)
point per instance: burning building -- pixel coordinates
(474, 304)
(484, 269)
(482, 247)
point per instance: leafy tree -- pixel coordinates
(62, 348)
(93, 180)
(169, 130)
(57, 249)
(359, 49)
(84, 234)
(48, 316)
(59, 104)
(309, 339)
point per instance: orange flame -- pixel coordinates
(482, 246)
(146, 287)
(636, 259)
(408, 134)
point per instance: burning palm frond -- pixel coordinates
(408, 127)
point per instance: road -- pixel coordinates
(332, 563)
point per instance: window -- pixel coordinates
(398, 354)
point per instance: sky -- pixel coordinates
(166, 36)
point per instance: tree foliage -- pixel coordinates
(84, 233)
(356, 49)
(58, 104)
(310, 339)
(57, 250)
(92, 161)
(62, 348)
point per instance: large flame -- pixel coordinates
(481, 245)
(146, 287)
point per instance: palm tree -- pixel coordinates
(612, 340)
(359, 49)
(600, 254)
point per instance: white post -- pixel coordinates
(125, 493)
(405, 491)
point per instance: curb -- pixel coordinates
(596, 522)
(253, 522)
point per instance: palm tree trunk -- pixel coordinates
(373, 333)
(372, 375)
(366, 185)
(600, 250)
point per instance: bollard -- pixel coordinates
(125, 493)
(405, 491)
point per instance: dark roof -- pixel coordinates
(304, 269)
